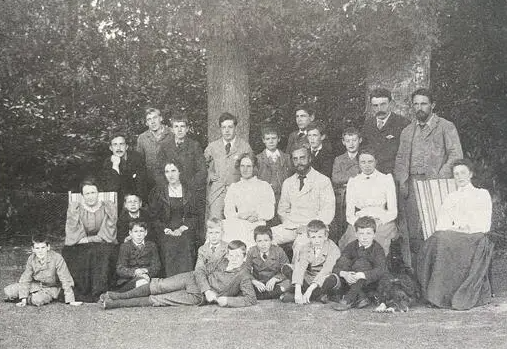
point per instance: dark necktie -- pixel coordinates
(314, 153)
(179, 144)
(213, 249)
(265, 256)
(301, 134)
(380, 123)
(301, 182)
(227, 148)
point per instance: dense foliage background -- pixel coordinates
(73, 72)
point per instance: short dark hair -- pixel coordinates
(369, 151)
(316, 225)
(116, 135)
(317, 125)
(179, 117)
(269, 130)
(39, 238)
(132, 194)
(215, 221)
(307, 108)
(227, 116)
(250, 156)
(422, 92)
(464, 162)
(88, 181)
(262, 230)
(351, 131)
(138, 223)
(381, 93)
(235, 244)
(302, 146)
(365, 222)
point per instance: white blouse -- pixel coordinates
(373, 195)
(249, 195)
(466, 210)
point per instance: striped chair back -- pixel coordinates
(103, 196)
(430, 195)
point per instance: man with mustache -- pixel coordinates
(124, 171)
(428, 148)
(382, 130)
(306, 195)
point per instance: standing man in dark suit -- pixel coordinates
(321, 150)
(189, 154)
(124, 171)
(304, 116)
(382, 130)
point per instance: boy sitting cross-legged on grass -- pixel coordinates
(218, 278)
(138, 260)
(45, 274)
(265, 262)
(312, 270)
(361, 265)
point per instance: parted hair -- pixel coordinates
(250, 156)
(316, 225)
(137, 223)
(227, 116)
(262, 230)
(235, 244)
(365, 222)
(39, 238)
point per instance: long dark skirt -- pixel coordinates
(176, 253)
(92, 267)
(452, 269)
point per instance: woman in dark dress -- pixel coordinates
(90, 243)
(173, 210)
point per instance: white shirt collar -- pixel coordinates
(271, 154)
(318, 149)
(384, 121)
(352, 156)
(373, 175)
(232, 141)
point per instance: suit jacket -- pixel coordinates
(131, 257)
(206, 259)
(344, 168)
(149, 147)
(442, 148)
(317, 266)
(323, 161)
(264, 270)
(385, 141)
(160, 209)
(191, 157)
(295, 141)
(274, 173)
(374, 256)
(131, 179)
(315, 200)
(221, 166)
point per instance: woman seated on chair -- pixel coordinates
(248, 203)
(90, 243)
(453, 265)
(371, 193)
(173, 208)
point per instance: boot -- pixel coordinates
(127, 303)
(141, 291)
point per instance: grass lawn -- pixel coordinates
(270, 324)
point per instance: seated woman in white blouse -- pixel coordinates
(371, 193)
(453, 264)
(248, 203)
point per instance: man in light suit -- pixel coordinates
(221, 156)
(428, 147)
(307, 195)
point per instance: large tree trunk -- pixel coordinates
(401, 78)
(227, 80)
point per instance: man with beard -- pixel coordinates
(428, 147)
(124, 171)
(382, 131)
(307, 195)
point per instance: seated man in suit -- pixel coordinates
(306, 195)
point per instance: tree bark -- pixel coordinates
(227, 82)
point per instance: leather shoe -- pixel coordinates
(287, 297)
(342, 305)
(363, 303)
